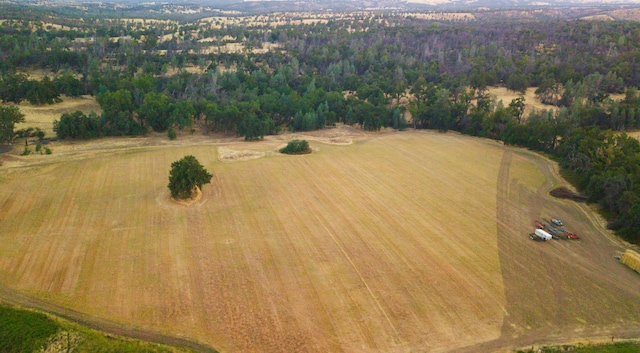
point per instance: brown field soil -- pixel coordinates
(411, 241)
(43, 116)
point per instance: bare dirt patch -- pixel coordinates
(190, 201)
(229, 155)
(564, 193)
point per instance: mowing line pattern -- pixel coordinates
(398, 242)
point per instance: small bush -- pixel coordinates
(297, 147)
(38, 147)
(39, 133)
(172, 134)
(48, 150)
(26, 152)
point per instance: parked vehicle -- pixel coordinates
(539, 225)
(557, 222)
(534, 237)
(573, 236)
(553, 230)
(541, 234)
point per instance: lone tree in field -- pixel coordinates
(9, 116)
(187, 174)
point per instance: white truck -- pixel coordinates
(543, 235)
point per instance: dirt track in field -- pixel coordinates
(412, 241)
(559, 291)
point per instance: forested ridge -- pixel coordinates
(365, 69)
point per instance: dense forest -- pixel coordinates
(372, 70)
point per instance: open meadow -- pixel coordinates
(43, 116)
(381, 242)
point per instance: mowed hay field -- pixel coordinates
(411, 241)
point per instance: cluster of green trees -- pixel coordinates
(296, 147)
(9, 117)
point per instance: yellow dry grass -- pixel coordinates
(531, 102)
(626, 14)
(345, 249)
(634, 134)
(443, 16)
(412, 241)
(43, 116)
(631, 259)
(600, 17)
(525, 172)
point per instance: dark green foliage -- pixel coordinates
(155, 110)
(253, 128)
(9, 117)
(77, 125)
(185, 175)
(12, 87)
(296, 147)
(24, 331)
(182, 114)
(68, 85)
(607, 167)
(171, 133)
(517, 82)
(117, 113)
(42, 92)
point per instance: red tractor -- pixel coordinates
(573, 236)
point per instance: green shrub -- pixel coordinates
(172, 134)
(26, 152)
(297, 147)
(38, 147)
(47, 150)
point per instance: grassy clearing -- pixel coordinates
(531, 102)
(43, 116)
(619, 347)
(23, 331)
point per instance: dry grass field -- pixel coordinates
(43, 116)
(530, 100)
(388, 242)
